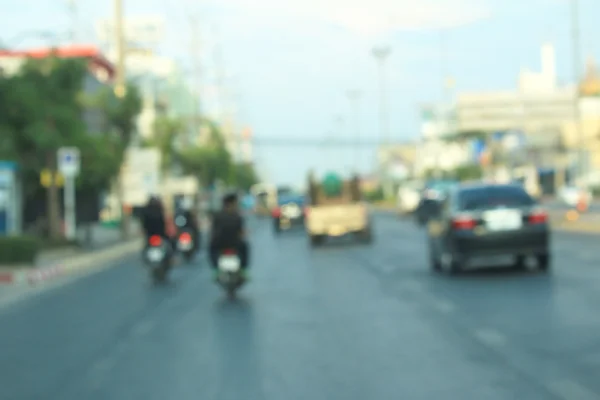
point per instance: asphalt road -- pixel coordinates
(341, 322)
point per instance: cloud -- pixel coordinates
(370, 18)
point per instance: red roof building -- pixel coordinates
(100, 67)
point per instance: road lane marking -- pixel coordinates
(571, 390)
(490, 337)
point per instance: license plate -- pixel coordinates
(229, 263)
(492, 260)
(155, 254)
(503, 220)
(292, 212)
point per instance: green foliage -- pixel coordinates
(463, 173)
(43, 108)
(121, 113)
(18, 250)
(467, 136)
(166, 132)
(209, 162)
(468, 172)
(40, 111)
(244, 176)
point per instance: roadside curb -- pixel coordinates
(33, 276)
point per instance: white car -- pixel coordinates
(570, 195)
(409, 196)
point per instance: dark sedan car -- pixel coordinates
(488, 224)
(290, 212)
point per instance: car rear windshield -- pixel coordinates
(494, 196)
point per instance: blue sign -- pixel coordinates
(478, 148)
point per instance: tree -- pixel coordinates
(209, 162)
(244, 176)
(121, 116)
(42, 114)
(43, 109)
(166, 132)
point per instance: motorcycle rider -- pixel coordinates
(186, 219)
(154, 221)
(228, 231)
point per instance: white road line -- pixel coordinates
(571, 390)
(490, 337)
(444, 306)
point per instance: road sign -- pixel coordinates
(69, 161)
(47, 178)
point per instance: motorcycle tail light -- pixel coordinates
(185, 237)
(229, 252)
(155, 241)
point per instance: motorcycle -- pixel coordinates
(230, 271)
(185, 244)
(157, 257)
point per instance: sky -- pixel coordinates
(291, 63)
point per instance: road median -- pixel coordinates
(71, 264)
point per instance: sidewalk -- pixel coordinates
(105, 245)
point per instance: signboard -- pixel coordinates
(68, 161)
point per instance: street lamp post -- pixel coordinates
(576, 60)
(381, 55)
(354, 98)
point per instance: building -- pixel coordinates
(544, 111)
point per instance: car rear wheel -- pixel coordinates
(451, 263)
(316, 240)
(276, 226)
(544, 262)
(434, 261)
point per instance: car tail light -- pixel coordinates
(155, 240)
(276, 212)
(185, 237)
(229, 252)
(538, 217)
(463, 223)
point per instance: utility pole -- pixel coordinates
(354, 97)
(120, 48)
(119, 41)
(576, 60)
(197, 78)
(381, 55)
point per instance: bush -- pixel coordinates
(58, 243)
(18, 250)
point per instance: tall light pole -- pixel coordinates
(354, 99)
(381, 55)
(197, 77)
(120, 92)
(576, 60)
(120, 48)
